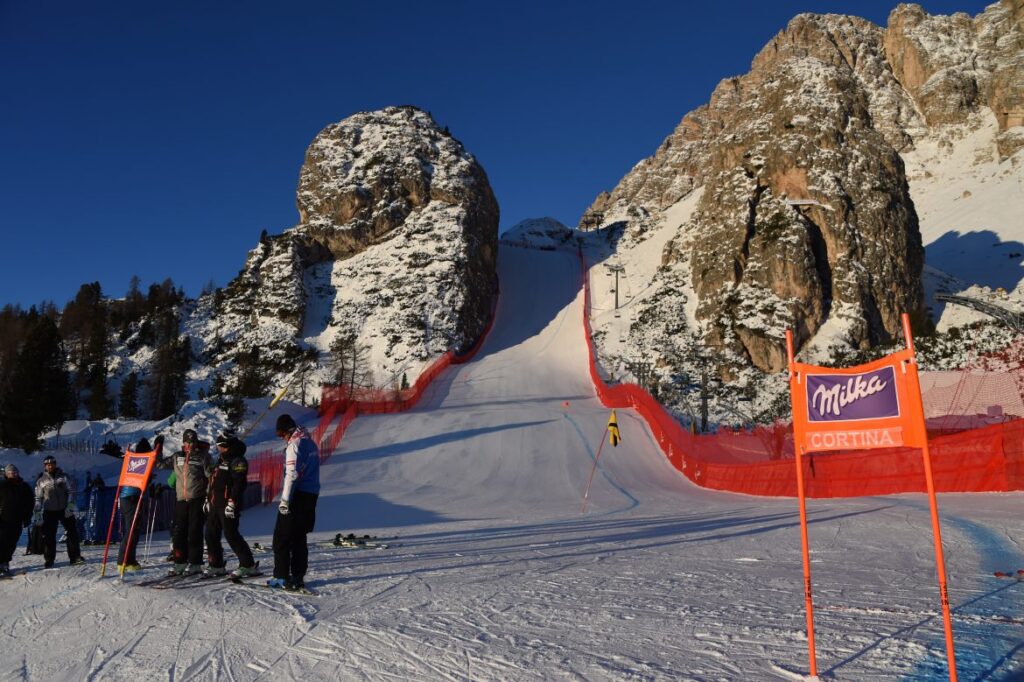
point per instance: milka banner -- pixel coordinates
(877, 405)
(135, 469)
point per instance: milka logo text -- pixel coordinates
(833, 400)
(136, 464)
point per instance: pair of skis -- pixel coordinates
(349, 541)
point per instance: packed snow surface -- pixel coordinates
(495, 574)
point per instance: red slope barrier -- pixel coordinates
(989, 459)
(267, 466)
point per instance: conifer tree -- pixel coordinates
(36, 395)
(128, 400)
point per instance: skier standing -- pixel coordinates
(16, 502)
(129, 502)
(55, 503)
(192, 467)
(224, 508)
(297, 510)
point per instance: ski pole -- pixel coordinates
(152, 522)
(592, 470)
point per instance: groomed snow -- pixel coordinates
(497, 575)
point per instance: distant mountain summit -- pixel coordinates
(805, 218)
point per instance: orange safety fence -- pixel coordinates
(267, 466)
(979, 452)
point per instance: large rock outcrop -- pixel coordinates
(393, 205)
(805, 215)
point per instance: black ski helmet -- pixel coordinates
(190, 437)
(285, 425)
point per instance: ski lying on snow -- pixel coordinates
(164, 581)
(1018, 575)
(340, 541)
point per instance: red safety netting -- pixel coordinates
(973, 418)
(267, 465)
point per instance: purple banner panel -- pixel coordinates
(852, 397)
(137, 465)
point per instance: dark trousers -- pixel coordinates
(291, 553)
(10, 533)
(126, 553)
(50, 521)
(188, 531)
(217, 522)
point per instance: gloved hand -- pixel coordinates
(206, 506)
(158, 441)
(37, 517)
(283, 507)
(70, 510)
(229, 511)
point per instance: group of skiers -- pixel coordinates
(208, 506)
(52, 503)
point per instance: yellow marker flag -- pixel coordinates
(613, 430)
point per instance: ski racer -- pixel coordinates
(192, 466)
(297, 511)
(129, 502)
(224, 508)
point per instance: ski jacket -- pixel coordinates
(301, 465)
(230, 476)
(16, 501)
(54, 491)
(191, 472)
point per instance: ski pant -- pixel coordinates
(188, 531)
(10, 533)
(291, 553)
(217, 522)
(126, 553)
(50, 521)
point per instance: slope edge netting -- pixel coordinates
(975, 421)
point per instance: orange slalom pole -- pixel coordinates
(940, 561)
(131, 530)
(593, 469)
(804, 543)
(110, 529)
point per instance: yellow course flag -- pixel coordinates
(613, 430)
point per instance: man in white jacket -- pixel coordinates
(297, 511)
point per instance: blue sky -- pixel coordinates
(159, 139)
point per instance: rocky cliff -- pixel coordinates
(805, 220)
(396, 249)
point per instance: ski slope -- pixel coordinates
(495, 574)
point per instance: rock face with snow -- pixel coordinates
(392, 204)
(806, 215)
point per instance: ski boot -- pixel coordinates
(246, 571)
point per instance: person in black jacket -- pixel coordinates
(16, 503)
(224, 508)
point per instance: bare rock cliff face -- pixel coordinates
(378, 180)
(806, 214)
